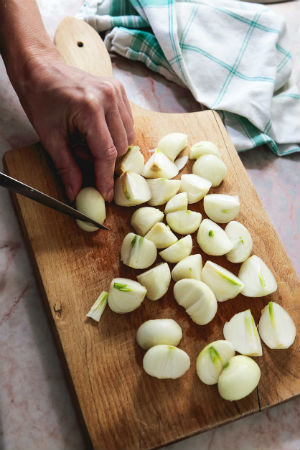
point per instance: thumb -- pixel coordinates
(67, 168)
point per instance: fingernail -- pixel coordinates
(110, 195)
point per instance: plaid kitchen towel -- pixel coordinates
(232, 56)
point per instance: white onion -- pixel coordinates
(166, 361)
(158, 332)
(90, 202)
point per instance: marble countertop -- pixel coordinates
(36, 411)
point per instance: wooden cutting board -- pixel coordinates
(122, 407)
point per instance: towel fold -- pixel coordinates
(232, 56)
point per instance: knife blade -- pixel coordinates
(34, 194)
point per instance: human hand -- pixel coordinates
(61, 101)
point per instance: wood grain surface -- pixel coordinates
(122, 407)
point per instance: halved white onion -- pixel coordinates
(144, 218)
(212, 239)
(241, 331)
(189, 267)
(212, 359)
(159, 166)
(204, 148)
(221, 208)
(211, 168)
(90, 202)
(132, 161)
(161, 235)
(125, 295)
(177, 203)
(184, 222)
(158, 332)
(223, 283)
(172, 144)
(162, 190)
(166, 361)
(241, 240)
(195, 187)
(176, 252)
(156, 281)
(257, 278)
(131, 189)
(137, 252)
(197, 298)
(239, 378)
(276, 327)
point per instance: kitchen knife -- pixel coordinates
(23, 189)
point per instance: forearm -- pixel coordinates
(24, 42)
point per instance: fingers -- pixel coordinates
(102, 148)
(125, 113)
(117, 130)
(67, 168)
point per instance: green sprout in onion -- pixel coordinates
(122, 287)
(261, 279)
(215, 357)
(227, 278)
(271, 312)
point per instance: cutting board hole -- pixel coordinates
(79, 44)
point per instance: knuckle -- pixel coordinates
(110, 153)
(109, 90)
(91, 101)
(131, 136)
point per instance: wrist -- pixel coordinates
(26, 67)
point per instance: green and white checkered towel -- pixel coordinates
(231, 55)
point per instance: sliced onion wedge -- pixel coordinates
(212, 239)
(198, 300)
(178, 251)
(132, 161)
(180, 162)
(166, 361)
(156, 281)
(195, 187)
(223, 283)
(211, 168)
(158, 332)
(239, 378)
(161, 235)
(177, 203)
(91, 203)
(257, 278)
(131, 189)
(125, 295)
(189, 267)
(172, 144)
(184, 222)
(144, 218)
(137, 252)
(241, 331)
(221, 208)
(212, 359)
(241, 240)
(204, 148)
(159, 166)
(162, 190)
(276, 327)
(98, 307)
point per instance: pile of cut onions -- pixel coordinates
(198, 288)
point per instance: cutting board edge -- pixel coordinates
(47, 309)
